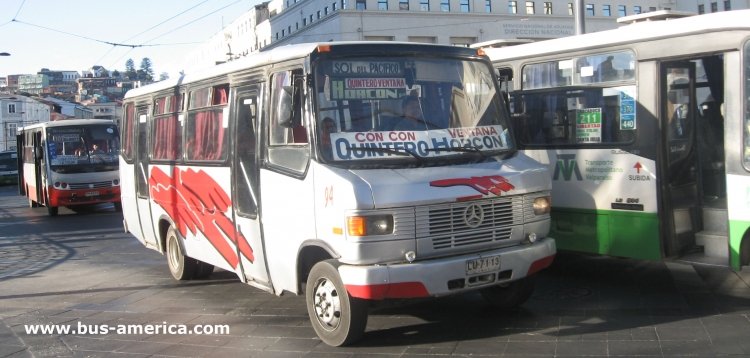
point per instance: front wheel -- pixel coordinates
(52, 210)
(118, 206)
(181, 266)
(337, 318)
(506, 296)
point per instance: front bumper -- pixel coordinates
(444, 276)
(83, 196)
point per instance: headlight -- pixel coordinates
(542, 205)
(369, 225)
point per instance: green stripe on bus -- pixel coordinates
(607, 232)
(737, 230)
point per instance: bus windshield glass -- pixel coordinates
(78, 149)
(394, 108)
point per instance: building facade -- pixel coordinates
(709, 6)
(17, 111)
(33, 84)
(451, 22)
(109, 110)
(71, 109)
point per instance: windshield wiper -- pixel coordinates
(458, 149)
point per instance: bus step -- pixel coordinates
(715, 244)
(715, 220)
(703, 260)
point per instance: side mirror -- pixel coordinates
(285, 107)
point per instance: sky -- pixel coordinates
(74, 35)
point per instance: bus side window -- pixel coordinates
(206, 127)
(288, 146)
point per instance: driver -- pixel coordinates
(412, 116)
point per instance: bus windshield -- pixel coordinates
(78, 149)
(395, 108)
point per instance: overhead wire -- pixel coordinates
(177, 28)
(145, 31)
(16, 15)
(197, 19)
(130, 45)
(19, 9)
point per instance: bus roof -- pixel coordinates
(637, 32)
(262, 58)
(67, 122)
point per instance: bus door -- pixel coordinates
(20, 149)
(680, 179)
(141, 178)
(245, 174)
(39, 169)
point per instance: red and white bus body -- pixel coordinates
(232, 165)
(61, 168)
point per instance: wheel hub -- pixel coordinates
(327, 304)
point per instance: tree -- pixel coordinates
(146, 72)
(130, 69)
(163, 76)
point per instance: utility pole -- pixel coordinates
(578, 16)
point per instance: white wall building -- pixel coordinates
(454, 22)
(707, 6)
(70, 109)
(106, 110)
(17, 111)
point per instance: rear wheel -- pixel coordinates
(506, 296)
(337, 318)
(118, 206)
(52, 210)
(181, 266)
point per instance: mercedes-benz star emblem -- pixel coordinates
(473, 215)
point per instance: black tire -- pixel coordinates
(33, 204)
(337, 318)
(180, 266)
(52, 210)
(204, 270)
(118, 206)
(507, 296)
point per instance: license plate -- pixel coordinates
(92, 193)
(482, 265)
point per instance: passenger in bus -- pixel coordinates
(95, 149)
(413, 120)
(607, 70)
(327, 127)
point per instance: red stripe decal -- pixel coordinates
(196, 202)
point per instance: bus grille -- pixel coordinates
(97, 185)
(447, 227)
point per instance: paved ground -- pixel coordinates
(79, 269)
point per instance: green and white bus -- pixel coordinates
(646, 132)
